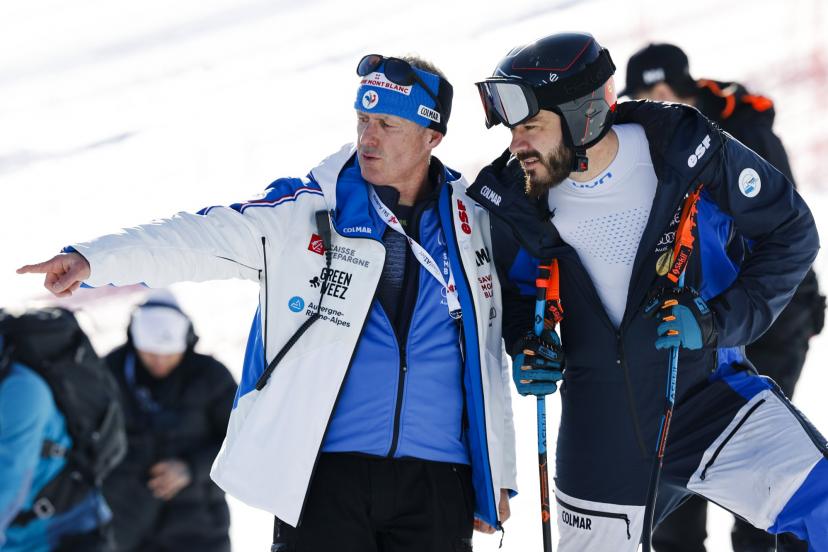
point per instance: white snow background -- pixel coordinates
(113, 113)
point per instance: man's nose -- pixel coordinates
(369, 136)
(518, 143)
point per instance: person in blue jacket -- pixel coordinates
(612, 191)
(373, 411)
(28, 417)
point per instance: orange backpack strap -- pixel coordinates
(728, 97)
(758, 103)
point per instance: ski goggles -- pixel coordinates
(399, 72)
(512, 100)
(508, 101)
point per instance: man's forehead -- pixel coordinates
(382, 117)
(543, 116)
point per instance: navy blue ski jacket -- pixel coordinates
(755, 240)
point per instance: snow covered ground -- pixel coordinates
(114, 113)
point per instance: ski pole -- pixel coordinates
(663, 429)
(681, 256)
(542, 286)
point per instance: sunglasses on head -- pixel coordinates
(397, 71)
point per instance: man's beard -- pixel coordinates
(558, 165)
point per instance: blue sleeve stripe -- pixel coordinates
(284, 190)
(241, 207)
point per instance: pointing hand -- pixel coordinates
(64, 272)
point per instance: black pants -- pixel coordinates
(780, 354)
(97, 540)
(367, 504)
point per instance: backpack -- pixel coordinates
(50, 342)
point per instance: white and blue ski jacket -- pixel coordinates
(276, 434)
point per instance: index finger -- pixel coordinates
(39, 268)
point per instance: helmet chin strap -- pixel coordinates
(580, 161)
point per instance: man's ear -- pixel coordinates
(433, 138)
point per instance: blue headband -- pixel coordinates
(376, 94)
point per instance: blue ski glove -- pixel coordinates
(538, 365)
(687, 321)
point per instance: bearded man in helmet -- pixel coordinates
(671, 238)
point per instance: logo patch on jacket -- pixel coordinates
(334, 283)
(347, 255)
(491, 195)
(665, 242)
(699, 153)
(316, 245)
(486, 286)
(464, 217)
(296, 303)
(749, 182)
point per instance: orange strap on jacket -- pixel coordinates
(728, 97)
(684, 236)
(549, 279)
(757, 102)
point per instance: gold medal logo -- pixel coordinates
(664, 262)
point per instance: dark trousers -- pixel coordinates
(779, 354)
(98, 540)
(371, 504)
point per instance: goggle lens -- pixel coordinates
(509, 103)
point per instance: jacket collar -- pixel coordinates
(346, 192)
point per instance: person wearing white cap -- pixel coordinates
(177, 404)
(160, 332)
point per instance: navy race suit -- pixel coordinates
(613, 391)
(780, 352)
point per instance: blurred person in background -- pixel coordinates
(374, 409)
(661, 72)
(177, 403)
(61, 433)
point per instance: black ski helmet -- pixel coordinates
(569, 74)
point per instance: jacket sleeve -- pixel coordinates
(521, 232)
(220, 244)
(24, 413)
(508, 479)
(218, 416)
(766, 210)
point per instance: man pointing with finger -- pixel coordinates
(373, 411)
